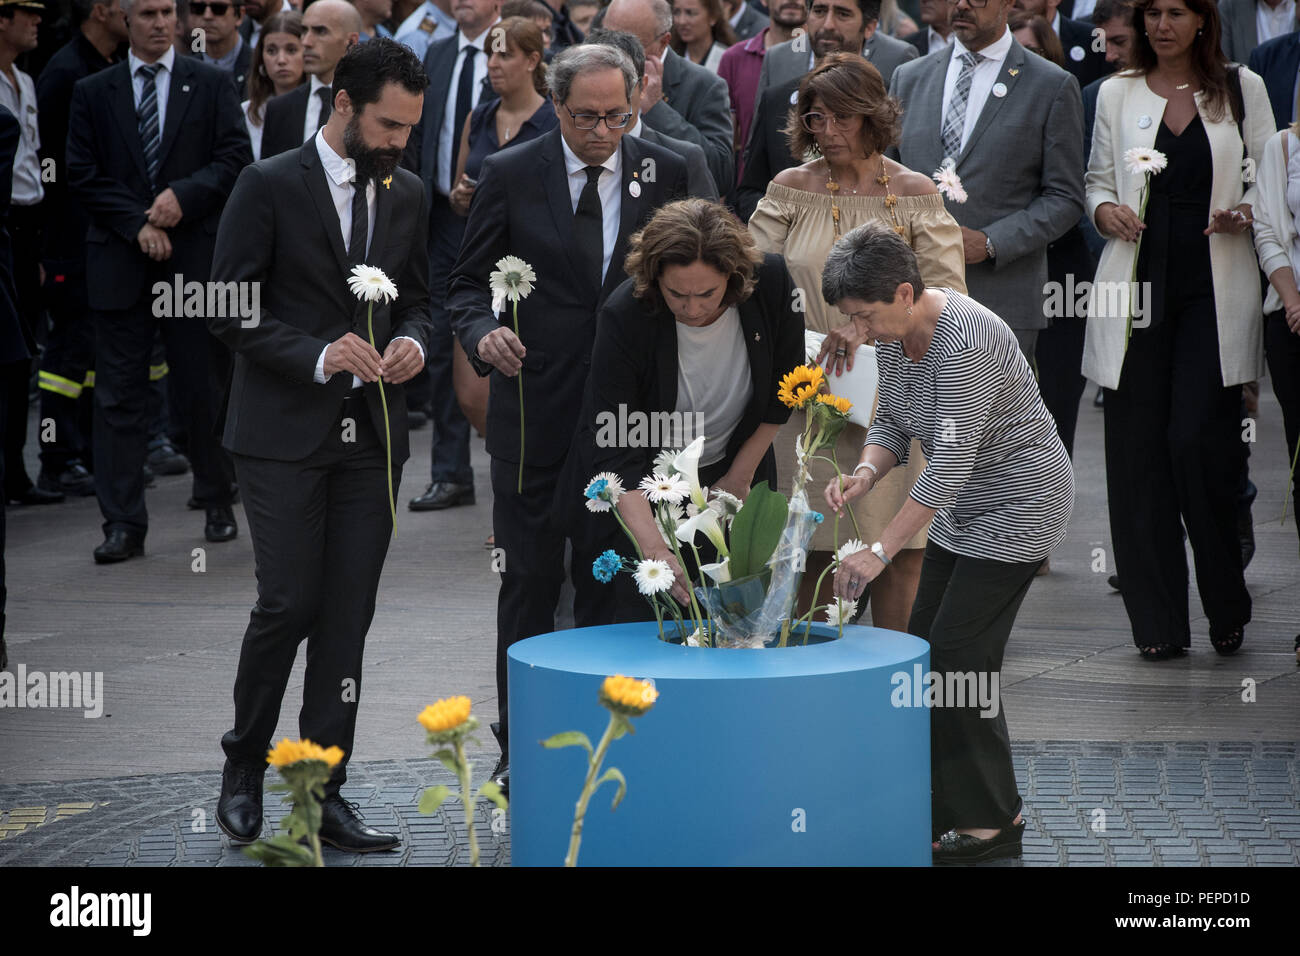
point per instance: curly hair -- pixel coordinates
(688, 231)
(848, 85)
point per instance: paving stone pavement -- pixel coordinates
(1087, 804)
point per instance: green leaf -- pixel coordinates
(613, 773)
(432, 798)
(622, 726)
(569, 738)
(493, 792)
(281, 850)
(448, 759)
(756, 530)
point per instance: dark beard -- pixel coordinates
(370, 164)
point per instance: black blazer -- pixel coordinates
(1277, 62)
(768, 151)
(522, 208)
(238, 75)
(634, 367)
(108, 177)
(15, 341)
(1076, 39)
(280, 230)
(421, 154)
(283, 119)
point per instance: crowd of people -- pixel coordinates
(695, 183)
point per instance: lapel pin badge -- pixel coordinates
(1144, 122)
(1077, 54)
(388, 182)
(999, 89)
(757, 337)
(634, 189)
(185, 88)
(1014, 72)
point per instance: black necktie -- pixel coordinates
(464, 103)
(589, 223)
(326, 94)
(360, 224)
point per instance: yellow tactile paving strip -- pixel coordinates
(20, 819)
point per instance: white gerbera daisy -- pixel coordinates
(694, 639)
(512, 281)
(841, 612)
(603, 491)
(664, 461)
(852, 546)
(660, 487)
(1141, 161)
(653, 576)
(724, 503)
(949, 182)
(371, 285)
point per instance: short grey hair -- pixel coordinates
(869, 263)
(573, 61)
(126, 6)
(663, 11)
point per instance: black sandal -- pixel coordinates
(1227, 642)
(1161, 652)
(954, 847)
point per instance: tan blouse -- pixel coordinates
(798, 224)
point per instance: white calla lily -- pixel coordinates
(687, 464)
(719, 572)
(707, 521)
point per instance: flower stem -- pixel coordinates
(580, 813)
(388, 433)
(520, 487)
(462, 767)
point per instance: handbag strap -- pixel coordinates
(1237, 101)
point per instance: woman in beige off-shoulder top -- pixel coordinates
(845, 117)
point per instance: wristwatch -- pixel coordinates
(988, 248)
(879, 551)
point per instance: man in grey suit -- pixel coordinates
(699, 181)
(1013, 124)
(794, 58)
(746, 20)
(1243, 28)
(680, 99)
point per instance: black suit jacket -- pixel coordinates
(522, 208)
(1077, 41)
(15, 342)
(1277, 62)
(204, 146)
(768, 151)
(634, 367)
(280, 229)
(422, 147)
(283, 120)
(64, 236)
(238, 76)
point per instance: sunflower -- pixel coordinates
(799, 386)
(288, 752)
(447, 714)
(627, 695)
(840, 404)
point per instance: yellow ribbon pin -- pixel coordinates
(388, 183)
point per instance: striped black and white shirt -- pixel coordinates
(997, 473)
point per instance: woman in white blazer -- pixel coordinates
(1277, 241)
(1174, 454)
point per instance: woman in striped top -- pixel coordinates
(999, 487)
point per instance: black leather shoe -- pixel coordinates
(220, 525)
(119, 544)
(74, 481)
(501, 773)
(341, 827)
(166, 460)
(954, 847)
(443, 494)
(239, 811)
(36, 495)
(1113, 581)
(193, 503)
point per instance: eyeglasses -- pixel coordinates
(977, 4)
(815, 122)
(586, 121)
(218, 9)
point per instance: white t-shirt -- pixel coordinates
(713, 380)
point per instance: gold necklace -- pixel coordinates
(891, 200)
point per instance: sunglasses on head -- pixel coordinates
(218, 9)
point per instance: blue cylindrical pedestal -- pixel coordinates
(776, 756)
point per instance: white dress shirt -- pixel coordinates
(162, 82)
(982, 80)
(937, 40)
(312, 120)
(254, 129)
(1272, 22)
(21, 101)
(446, 134)
(339, 174)
(1083, 10)
(610, 196)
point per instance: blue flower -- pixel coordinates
(818, 517)
(596, 489)
(606, 566)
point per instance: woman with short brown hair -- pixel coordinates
(842, 121)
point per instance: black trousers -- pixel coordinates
(123, 345)
(450, 448)
(965, 607)
(69, 355)
(1282, 348)
(532, 543)
(320, 529)
(1174, 457)
(1058, 355)
(15, 377)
